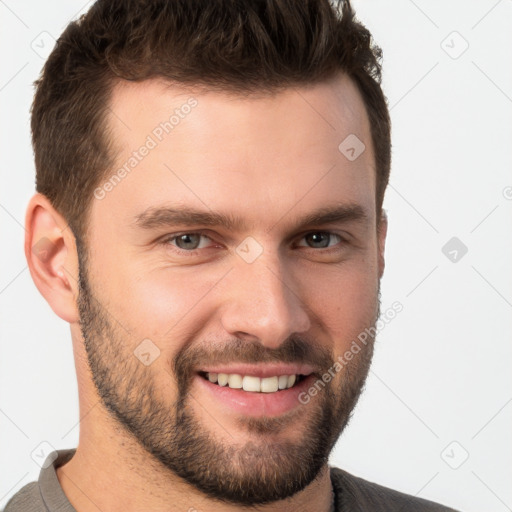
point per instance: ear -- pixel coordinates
(50, 249)
(382, 230)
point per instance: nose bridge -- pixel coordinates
(263, 302)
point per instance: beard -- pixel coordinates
(263, 469)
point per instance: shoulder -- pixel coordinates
(27, 499)
(356, 494)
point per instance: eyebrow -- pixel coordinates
(153, 218)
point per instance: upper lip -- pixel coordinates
(260, 370)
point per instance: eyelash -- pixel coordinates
(170, 238)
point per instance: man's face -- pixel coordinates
(265, 302)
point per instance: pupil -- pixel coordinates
(186, 240)
(316, 238)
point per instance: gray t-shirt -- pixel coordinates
(351, 494)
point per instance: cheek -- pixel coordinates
(163, 304)
(344, 300)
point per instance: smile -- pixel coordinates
(253, 383)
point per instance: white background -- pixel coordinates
(442, 369)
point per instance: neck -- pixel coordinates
(111, 471)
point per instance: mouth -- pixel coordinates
(253, 383)
(251, 390)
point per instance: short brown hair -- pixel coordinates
(239, 46)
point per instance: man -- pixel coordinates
(209, 221)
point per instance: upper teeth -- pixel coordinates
(251, 383)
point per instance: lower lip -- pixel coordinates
(254, 404)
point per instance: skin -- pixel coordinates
(269, 160)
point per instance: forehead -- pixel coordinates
(331, 106)
(258, 155)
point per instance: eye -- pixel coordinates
(187, 241)
(193, 241)
(321, 239)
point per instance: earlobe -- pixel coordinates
(50, 250)
(382, 230)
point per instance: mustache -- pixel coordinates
(295, 349)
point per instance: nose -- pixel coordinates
(260, 302)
